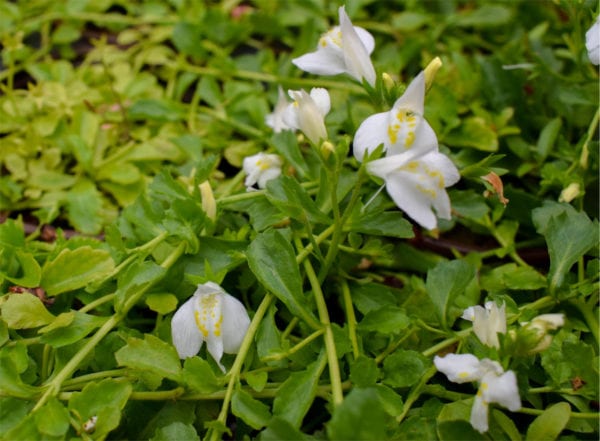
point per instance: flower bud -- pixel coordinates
(431, 70)
(570, 192)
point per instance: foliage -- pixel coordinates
(114, 116)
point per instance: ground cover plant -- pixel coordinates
(299, 220)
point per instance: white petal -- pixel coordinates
(267, 175)
(371, 133)
(548, 321)
(310, 116)
(208, 288)
(356, 56)
(501, 389)
(186, 336)
(321, 99)
(469, 313)
(290, 116)
(366, 38)
(418, 142)
(322, 62)
(414, 96)
(479, 414)
(592, 42)
(459, 368)
(439, 162)
(235, 324)
(412, 197)
(484, 329)
(275, 119)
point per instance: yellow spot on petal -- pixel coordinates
(463, 374)
(393, 134)
(410, 139)
(427, 191)
(200, 324)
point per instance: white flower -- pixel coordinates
(401, 130)
(275, 119)
(417, 184)
(540, 326)
(261, 168)
(487, 321)
(592, 42)
(343, 49)
(307, 113)
(495, 385)
(212, 316)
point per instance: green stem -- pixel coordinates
(416, 392)
(549, 389)
(579, 415)
(55, 384)
(100, 301)
(295, 348)
(589, 316)
(394, 345)
(240, 197)
(236, 368)
(95, 376)
(350, 317)
(332, 360)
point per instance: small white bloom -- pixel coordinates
(402, 129)
(261, 168)
(487, 321)
(495, 385)
(307, 113)
(212, 316)
(343, 49)
(540, 326)
(275, 119)
(592, 42)
(417, 184)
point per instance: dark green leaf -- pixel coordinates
(272, 260)
(199, 377)
(139, 276)
(360, 417)
(391, 224)
(289, 196)
(386, 320)
(364, 372)
(280, 429)
(253, 412)
(404, 368)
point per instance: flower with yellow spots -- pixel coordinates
(495, 385)
(260, 169)
(488, 321)
(343, 49)
(417, 185)
(307, 113)
(212, 316)
(402, 129)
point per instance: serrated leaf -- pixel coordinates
(30, 271)
(273, 261)
(253, 412)
(74, 269)
(150, 354)
(138, 277)
(391, 224)
(289, 196)
(404, 368)
(61, 333)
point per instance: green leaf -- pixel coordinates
(176, 431)
(23, 311)
(150, 354)
(253, 412)
(58, 334)
(138, 277)
(30, 270)
(84, 206)
(297, 393)
(257, 380)
(511, 276)
(549, 424)
(389, 223)
(163, 303)
(569, 236)
(488, 15)
(291, 198)
(104, 400)
(12, 411)
(52, 419)
(272, 260)
(507, 425)
(286, 144)
(186, 37)
(474, 132)
(404, 368)
(445, 283)
(280, 429)
(548, 137)
(74, 269)
(360, 417)
(153, 109)
(199, 377)
(386, 320)
(10, 380)
(364, 371)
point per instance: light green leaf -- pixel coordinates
(289, 196)
(138, 277)
(548, 137)
(23, 311)
(70, 327)
(74, 269)
(507, 425)
(386, 320)
(549, 424)
(52, 419)
(163, 303)
(272, 260)
(253, 412)
(150, 354)
(31, 273)
(199, 377)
